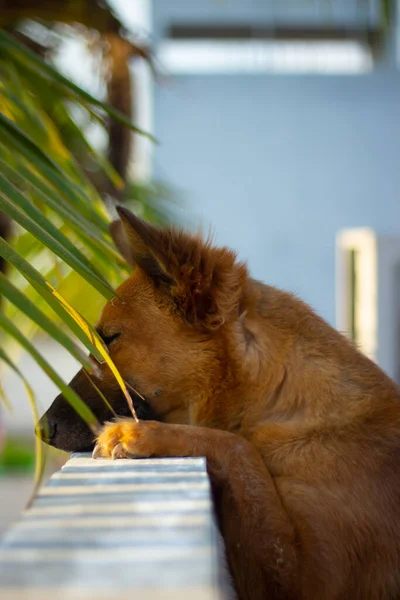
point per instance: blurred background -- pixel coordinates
(277, 126)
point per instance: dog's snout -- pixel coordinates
(46, 429)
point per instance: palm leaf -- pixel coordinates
(90, 335)
(63, 240)
(39, 457)
(79, 406)
(11, 201)
(76, 195)
(9, 291)
(42, 287)
(51, 198)
(27, 60)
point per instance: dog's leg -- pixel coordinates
(259, 538)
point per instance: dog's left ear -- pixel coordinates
(139, 243)
(205, 283)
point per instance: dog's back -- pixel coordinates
(328, 430)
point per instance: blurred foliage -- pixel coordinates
(57, 188)
(62, 217)
(17, 456)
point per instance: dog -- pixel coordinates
(300, 430)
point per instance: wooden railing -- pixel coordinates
(117, 529)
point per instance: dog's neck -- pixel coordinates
(287, 366)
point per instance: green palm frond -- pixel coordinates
(62, 262)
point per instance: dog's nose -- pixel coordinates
(46, 429)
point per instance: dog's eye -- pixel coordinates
(107, 339)
(110, 338)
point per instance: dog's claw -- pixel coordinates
(118, 452)
(97, 451)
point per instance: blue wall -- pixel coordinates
(278, 164)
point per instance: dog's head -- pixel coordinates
(165, 331)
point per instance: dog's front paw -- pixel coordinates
(126, 438)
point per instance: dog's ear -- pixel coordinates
(204, 283)
(137, 242)
(120, 239)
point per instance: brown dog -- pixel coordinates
(301, 431)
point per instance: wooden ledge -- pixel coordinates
(117, 529)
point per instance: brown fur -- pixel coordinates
(300, 430)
